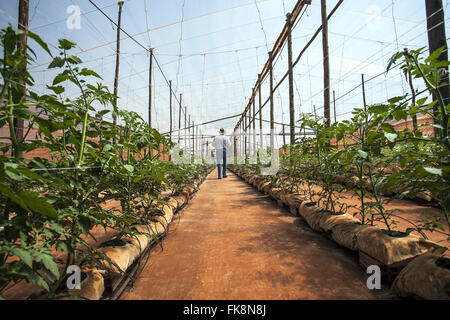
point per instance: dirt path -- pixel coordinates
(232, 242)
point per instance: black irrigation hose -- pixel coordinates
(412, 223)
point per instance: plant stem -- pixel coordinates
(12, 132)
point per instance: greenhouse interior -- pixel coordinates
(224, 150)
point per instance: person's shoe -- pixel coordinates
(225, 176)
(219, 178)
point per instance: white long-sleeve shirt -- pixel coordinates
(219, 143)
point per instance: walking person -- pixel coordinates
(221, 143)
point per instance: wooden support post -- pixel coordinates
(284, 136)
(170, 109)
(22, 46)
(272, 125)
(202, 149)
(193, 140)
(235, 150)
(196, 141)
(189, 132)
(334, 106)
(436, 40)
(291, 81)
(242, 138)
(254, 125)
(364, 102)
(185, 128)
(179, 120)
(116, 76)
(326, 63)
(260, 114)
(245, 133)
(150, 75)
(363, 91)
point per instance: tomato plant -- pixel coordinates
(48, 208)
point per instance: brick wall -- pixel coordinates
(44, 152)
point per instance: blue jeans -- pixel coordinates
(222, 168)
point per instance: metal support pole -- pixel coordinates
(116, 77)
(18, 124)
(291, 82)
(334, 105)
(193, 140)
(150, 75)
(179, 120)
(261, 146)
(189, 132)
(254, 125)
(363, 91)
(170, 108)
(437, 39)
(245, 134)
(272, 125)
(326, 63)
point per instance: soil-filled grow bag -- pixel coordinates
(394, 251)
(92, 287)
(425, 277)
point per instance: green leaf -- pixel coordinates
(436, 126)
(57, 62)
(62, 246)
(37, 204)
(440, 64)
(400, 114)
(88, 72)
(73, 59)
(24, 255)
(66, 44)
(387, 127)
(11, 195)
(421, 101)
(129, 168)
(107, 147)
(435, 171)
(49, 262)
(12, 172)
(56, 89)
(435, 55)
(36, 279)
(396, 99)
(10, 40)
(60, 78)
(101, 113)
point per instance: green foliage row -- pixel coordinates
(49, 208)
(374, 157)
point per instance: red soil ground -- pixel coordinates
(233, 242)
